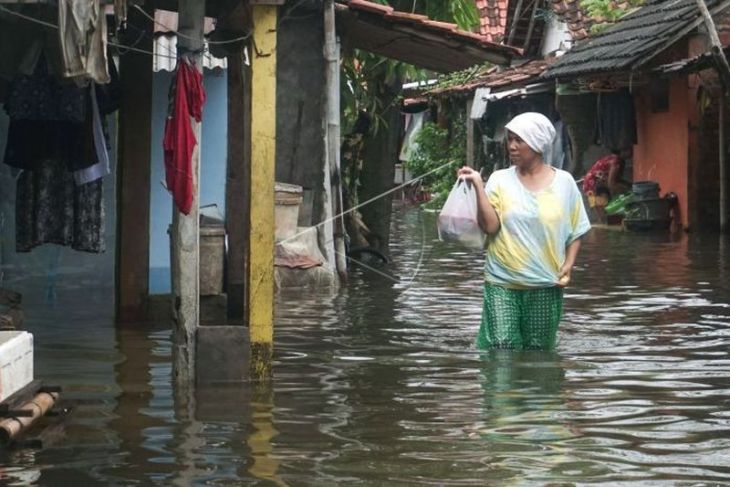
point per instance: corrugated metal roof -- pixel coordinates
(634, 40)
(165, 55)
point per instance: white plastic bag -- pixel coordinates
(457, 221)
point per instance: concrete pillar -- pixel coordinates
(261, 216)
(185, 228)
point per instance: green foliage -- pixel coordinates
(436, 147)
(366, 76)
(458, 78)
(606, 12)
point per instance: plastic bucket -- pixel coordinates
(645, 189)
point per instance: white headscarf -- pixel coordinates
(536, 130)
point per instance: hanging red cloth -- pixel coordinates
(188, 97)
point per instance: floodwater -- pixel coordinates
(381, 384)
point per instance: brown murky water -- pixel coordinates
(381, 384)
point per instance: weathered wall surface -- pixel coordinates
(662, 151)
(300, 149)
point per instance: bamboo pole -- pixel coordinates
(515, 21)
(718, 54)
(332, 81)
(41, 403)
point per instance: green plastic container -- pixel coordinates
(617, 206)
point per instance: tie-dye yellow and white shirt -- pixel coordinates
(535, 228)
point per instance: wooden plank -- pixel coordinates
(186, 228)
(133, 178)
(238, 184)
(261, 215)
(469, 134)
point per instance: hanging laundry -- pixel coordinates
(41, 109)
(82, 33)
(616, 122)
(187, 98)
(102, 167)
(414, 125)
(120, 13)
(51, 208)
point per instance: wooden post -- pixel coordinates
(261, 214)
(332, 77)
(238, 184)
(515, 21)
(723, 169)
(133, 179)
(185, 228)
(469, 134)
(533, 17)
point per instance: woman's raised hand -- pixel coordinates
(468, 174)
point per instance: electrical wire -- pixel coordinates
(374, 198)
(229, 41)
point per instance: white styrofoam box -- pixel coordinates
(16, 361)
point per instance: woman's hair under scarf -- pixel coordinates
(536, 130)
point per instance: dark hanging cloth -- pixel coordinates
(187, 96)
(48, 120)
(51, 208)
(616, 121)
(109, 96)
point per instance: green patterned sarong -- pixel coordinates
(520, 319)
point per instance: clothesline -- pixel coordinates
(111, 43)
(179, 34)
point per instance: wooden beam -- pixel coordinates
(261, 215)
(186, 228)
(533, 18)
(515, 21)
(238, 184)
(469, 134)
(133, 179)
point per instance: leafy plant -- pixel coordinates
(437, 147)
(606, 12)
(364, 74)
(458, 78)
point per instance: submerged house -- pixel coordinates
(270, 118)
(494, 94)
(649, 75)
(658, 56)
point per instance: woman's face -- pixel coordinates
(520, 154)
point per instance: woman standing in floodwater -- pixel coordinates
(534, 215)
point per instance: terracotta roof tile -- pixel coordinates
(370, 6)
(482, 40)
(495, 78)
(570, 12)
